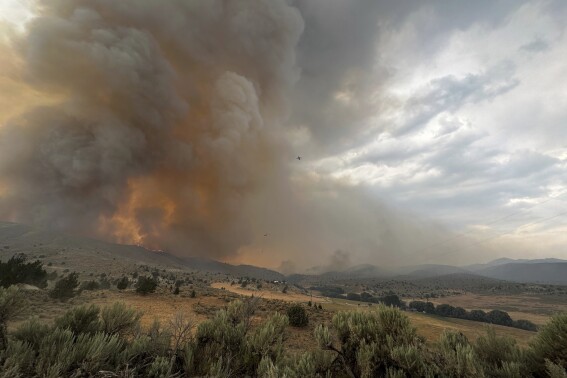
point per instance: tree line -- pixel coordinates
(493, 317)
(391, 299)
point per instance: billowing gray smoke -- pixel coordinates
(166, 126)
(168, 120)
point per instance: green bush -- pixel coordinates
(146, 285)
(550, 344)
(524, 324)
(122, 283)
(120, 319)
(375, 344)
(228, 346)
(31, 332)
(104, 283)
(297, 316)
(82, 319)
(457, 356)
(11, 303)
(65, 287)
(83, 342)
(89, 285)
(500, 356)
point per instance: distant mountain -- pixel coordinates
(529, 271)
(357, 271)
(506, 260)
(366, 271)
(68, 252)
(80, 253)
(461, 280)
(431, 270)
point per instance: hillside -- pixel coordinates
(547, 272)
(71, 252)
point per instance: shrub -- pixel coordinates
(193, 294)
(524, 324)
(375, 344)
(82, 319)
(31, 332)
(11, 303)
(65, 287)
(122, 283)
(500, 356)
(549, 344)
(457, 356)
(297, 316)
(120, 319)
(226, 345)
(146, 285)
(89, 285)
(104, 283)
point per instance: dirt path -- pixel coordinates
(270, 294)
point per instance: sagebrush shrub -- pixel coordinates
(11, 303)
(82, 319)
(372, 343)
(120, 319)
(550, 344)
(297, 316)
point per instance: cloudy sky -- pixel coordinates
(452, 115)
(455, 112)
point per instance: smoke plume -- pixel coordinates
(165, 124)
(168, 121)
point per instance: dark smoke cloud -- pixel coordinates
(170, 129)
(169, 119)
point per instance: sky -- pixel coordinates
(428, 132)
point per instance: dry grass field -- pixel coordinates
(163, 305)
(429, 326)
(530, 307)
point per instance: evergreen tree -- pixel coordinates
(122, 283)
(146, 285)
(17, 270)
(65, 287)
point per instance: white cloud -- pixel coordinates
(469, 124)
